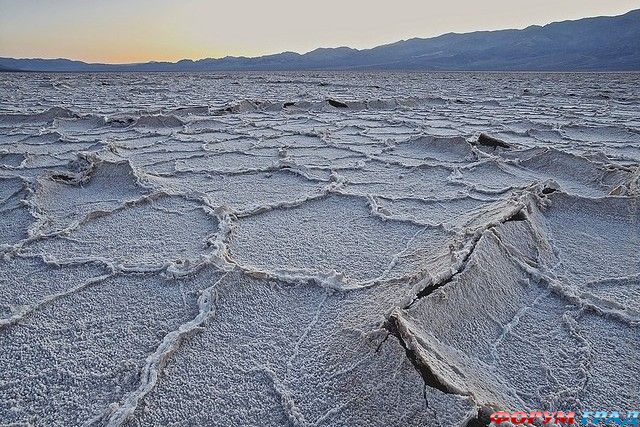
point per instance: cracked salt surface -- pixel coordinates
(317, 248)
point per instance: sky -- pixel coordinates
(125, 31)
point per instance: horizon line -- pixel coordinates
(312, 50)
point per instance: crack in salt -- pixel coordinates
(117, 414)
(19, 315)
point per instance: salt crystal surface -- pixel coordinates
(318, 248)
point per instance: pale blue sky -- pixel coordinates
(141, 30)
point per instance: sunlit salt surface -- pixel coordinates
(315, 249)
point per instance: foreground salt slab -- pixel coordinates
(318, 248)
(305, 358)
(528, 285)
(334, 234)
(87, 347)
(132, 237)
(66, 199)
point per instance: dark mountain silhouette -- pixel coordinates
(590, 44)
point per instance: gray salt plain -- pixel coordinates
(317, 249)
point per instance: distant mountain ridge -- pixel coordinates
(590, 44)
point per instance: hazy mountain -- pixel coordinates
(601, 43)
(6, 69)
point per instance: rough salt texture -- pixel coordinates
(316, 248)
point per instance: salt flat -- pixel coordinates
(317, 248)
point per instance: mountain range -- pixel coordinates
(606, 43)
